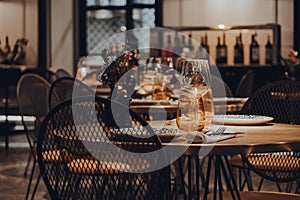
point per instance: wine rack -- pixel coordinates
(274, 30)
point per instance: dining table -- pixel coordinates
(147, 107)
(244, 139)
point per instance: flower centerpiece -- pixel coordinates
(293, 65)
(117, 63)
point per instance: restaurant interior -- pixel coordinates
(150, 99)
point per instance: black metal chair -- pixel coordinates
(8, 105)
(47, 74)
(220, 88)
(280, 100)
(65, 88)
(104, 147)
(245, 85)
(32, 98)
(62, 73)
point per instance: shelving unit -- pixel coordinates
(101, 19)
(232, 73)
(274, 28)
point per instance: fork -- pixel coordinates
(219, 131)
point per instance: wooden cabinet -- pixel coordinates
(262, 75)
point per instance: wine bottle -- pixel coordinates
(218, 51)
(1, 54)
(239, 51)
(269, 51)
(201, 50)
(254, 50)
(185, 52)
(205, 45)
(221, 51)
(177, 46)
(190, 44)
(224, 50)
(168, 49)
(7, 48)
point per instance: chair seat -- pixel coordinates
(280, 162)
(52, 155)
(236, 161)
(260, 195)
(92, 166)
(269, 162)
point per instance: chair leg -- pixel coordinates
(28, 163)
(289, 186)
(278, 186)
(6, 141)
(30, 180)
(260, 184)
(297, 191)
(36, 186)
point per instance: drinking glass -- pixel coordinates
(195, 105)
(162, 67)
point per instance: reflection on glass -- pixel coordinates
(143, 17)
(106, 2)
(144, 1)
(102, 24)
(195, 105)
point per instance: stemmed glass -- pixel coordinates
(195, 105)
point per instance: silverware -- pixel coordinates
(219, 131)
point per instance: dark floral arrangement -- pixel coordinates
(117, 64)
(293, 65)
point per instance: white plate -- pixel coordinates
(242, 119)
(229, 100)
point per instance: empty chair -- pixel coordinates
(220, 87)
(62, 73)
(32, 98)
(47, 74)
(245, 86)
(280, 100)
(104, 154)
(65, 88)
(8, 82)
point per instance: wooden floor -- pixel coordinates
(13, 184)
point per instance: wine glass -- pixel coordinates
(195, 105)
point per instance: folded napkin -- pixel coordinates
(209, 136)
(213, 136)
(175, 135)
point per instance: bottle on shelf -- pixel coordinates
(218, 51)
(203, 50)
(254, 50)
(190, 45)
(224, 49)
(177, 46)
(168, 49)
(1, 53)
(185, 51)
(221, 57)
(205, 46)
(7, 48)
(269, 51)
(239, 50)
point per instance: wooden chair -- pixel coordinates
(104, 147)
